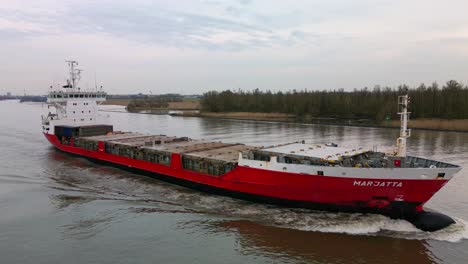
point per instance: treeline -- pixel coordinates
(154, 102)
(448, 102)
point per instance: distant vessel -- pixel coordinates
(323, 177)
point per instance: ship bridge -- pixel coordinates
(74, 107)
(63, 96)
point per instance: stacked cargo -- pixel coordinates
(64, 133)
(207, 166)
(214, 161)
(212, 158)
(135, 146)
(86, 144)
(95, 130)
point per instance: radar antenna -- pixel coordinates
(75, 74)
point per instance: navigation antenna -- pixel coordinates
(404, 118)
(75, 74)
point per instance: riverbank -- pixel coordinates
(172, 106)
(455, 125)
(279, 117)
(458, 125)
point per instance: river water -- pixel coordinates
(55, 208)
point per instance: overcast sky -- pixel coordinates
(199, 45)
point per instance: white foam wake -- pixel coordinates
(359, 224)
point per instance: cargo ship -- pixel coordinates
(298, 174)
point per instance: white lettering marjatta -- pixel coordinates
(396, 184)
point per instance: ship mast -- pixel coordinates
(74, 74)
(404, 131)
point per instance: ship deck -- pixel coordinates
(200, 149)
(137, 144)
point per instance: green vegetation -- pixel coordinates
(151, 103)
(447, 102)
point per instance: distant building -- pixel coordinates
(8, 94)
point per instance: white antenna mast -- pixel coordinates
(74, 73)
(95, 82)
(404, 131)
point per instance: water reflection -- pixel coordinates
(316, 247)
(93, 186)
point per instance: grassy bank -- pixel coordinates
(111, 101)
(434, 124)
(189, 104)
(243, 116)
(457, 125)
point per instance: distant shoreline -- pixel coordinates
(191, 109)
(184, 105)
(433, 124)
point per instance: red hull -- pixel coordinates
(294, 189)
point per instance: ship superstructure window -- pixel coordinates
(320, 173)
(262, 157)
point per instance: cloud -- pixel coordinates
(232, 43)
(152, 24)
(245, 2)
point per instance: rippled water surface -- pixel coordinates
(55, 208)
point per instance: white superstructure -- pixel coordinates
(69, 105)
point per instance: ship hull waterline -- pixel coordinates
(355, 200)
